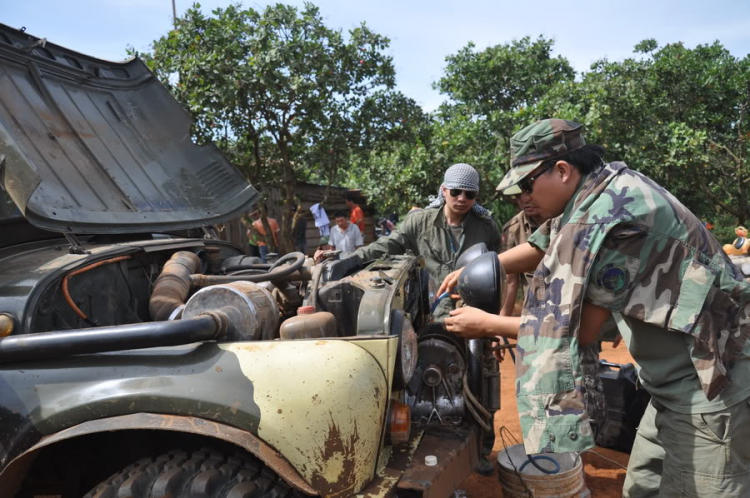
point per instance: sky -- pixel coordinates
(422, 32)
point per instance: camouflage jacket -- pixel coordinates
(678, 278)
(517, 232)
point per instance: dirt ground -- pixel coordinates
(603, 478)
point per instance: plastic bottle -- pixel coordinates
(309, 324)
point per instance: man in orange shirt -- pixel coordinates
(357, 216)
(258, 227)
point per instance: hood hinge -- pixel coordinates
(209, 233)
(75, 245)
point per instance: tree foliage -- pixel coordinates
(677, 114)
(284, 95)
(492, 93)
(674, 113)
(290, 99)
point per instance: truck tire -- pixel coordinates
(207, 473)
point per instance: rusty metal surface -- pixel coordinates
(457, 455)
(44, 398)
(340, 395)
(385, 481)
(329, 422)
(173, 284)
(10, 476)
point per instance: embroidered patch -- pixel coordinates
(613, 278)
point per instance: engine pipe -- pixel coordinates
(45, 345)
(173, 285)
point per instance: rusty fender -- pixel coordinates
(320, 404)
(12, 476)
(325, 413)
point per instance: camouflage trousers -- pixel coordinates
(596, 406)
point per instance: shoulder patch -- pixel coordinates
(613, 278)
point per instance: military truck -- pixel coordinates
(141, 356)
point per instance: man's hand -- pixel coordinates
(449, 283)
(470, 323)
(319, 255)
(323, 254)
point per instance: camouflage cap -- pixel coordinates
(539, 142)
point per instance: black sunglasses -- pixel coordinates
(470, 194)
(527, 184)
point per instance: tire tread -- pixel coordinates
(206, 473)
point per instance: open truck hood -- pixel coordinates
(91, 146)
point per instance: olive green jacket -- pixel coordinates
(426, 233)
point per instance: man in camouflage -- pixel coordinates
(620, 245)
(516, 232)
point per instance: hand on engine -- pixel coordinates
(449, 283)
(470, 323)
(499, 353)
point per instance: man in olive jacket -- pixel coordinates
(452, 223)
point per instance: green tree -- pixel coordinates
(491, 94)
(677, 114)
(284, 95)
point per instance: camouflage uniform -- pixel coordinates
(625, 243)
(517, 231)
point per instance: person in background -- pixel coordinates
(386, 226)
(258, 227)
(345, 236)
(517, 232)
(251, 234)
(299, 230)
(357, 216)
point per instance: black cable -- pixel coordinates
(532, 460)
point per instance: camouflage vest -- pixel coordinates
(680, 280)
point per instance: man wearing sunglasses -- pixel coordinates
(619, 245)
(453, 222)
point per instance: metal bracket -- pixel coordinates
(41, 42)
(210, 233)
(75, 245)
(385, 277)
